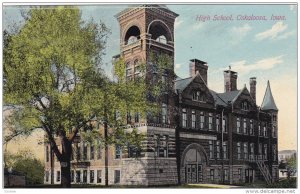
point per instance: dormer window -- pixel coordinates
(198, 96)
(245, 105)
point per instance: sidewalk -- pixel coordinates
(214, 186)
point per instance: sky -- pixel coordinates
(265, 49)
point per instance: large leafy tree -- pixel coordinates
(53, 82)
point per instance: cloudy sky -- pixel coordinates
(266, 49)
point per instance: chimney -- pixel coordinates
(253, 88)
(230, 80)
(201, 67)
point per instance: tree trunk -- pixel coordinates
(65, 163)
(65, 174)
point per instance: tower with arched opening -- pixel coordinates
(145, 29)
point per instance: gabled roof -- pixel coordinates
(229, 96)
(268, 101)
(218, 100)
(181, 84)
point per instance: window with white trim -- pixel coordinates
(184, 118)
(211, 149)
(193, 119)
(238, 145)
(238, 125)
(225, 148)
(245, 150)
(245, 126)
(218, 123)
(251, 127)
(210, 121)
(218, 149)
(201, 120)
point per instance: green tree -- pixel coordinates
(24, 162)
(53, 82)
(291, 166)
(47, 66)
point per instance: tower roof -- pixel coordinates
(162, 7)
(268, 101)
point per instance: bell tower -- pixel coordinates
(145, 29)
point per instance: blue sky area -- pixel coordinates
(265, 49)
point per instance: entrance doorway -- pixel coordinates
(194, 173)
(193, 166)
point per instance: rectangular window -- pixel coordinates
(225, 155)
(211, 150)
(252, 151)
(117, 176)
(201, 120)
(164, 112)
(259, 129)
(238, 150)
(240, 171)
(212, 174)
(226, 177)
(238, 125)
(47, 153)
(184, 118)
(99, 151)
(245, 126)
(224, 125)
(118, 152)
(260, 150)
(84, 176)
(218, 123)
(92, 154)
(57, 176)
(99, 180)
(78, 176)
(47, 176)
(265, 130)
(218, 149)
(84, 151)
(193, 119)
(72, 176)
(251, 127)
(265, 151)
(92, 176)
(246, 151)
(210, 121)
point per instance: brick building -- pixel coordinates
(213, 137)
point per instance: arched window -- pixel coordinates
(160, 31)
(132, 35)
